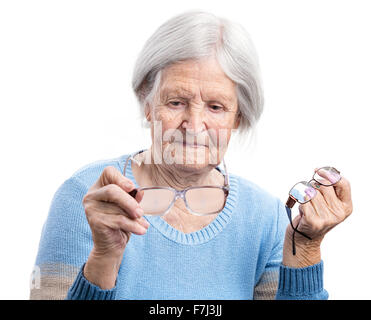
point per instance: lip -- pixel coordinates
(193, 145)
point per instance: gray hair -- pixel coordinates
(193, 35)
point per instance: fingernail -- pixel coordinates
(146, 223)
(144, 230)
(139, 212)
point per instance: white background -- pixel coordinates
(66, 100)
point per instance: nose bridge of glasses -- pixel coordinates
(179, 194)
(315, 182)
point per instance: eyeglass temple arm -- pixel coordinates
(226, 176)
(133, 192)
(289, 204)
(131, 157)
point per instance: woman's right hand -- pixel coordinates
(112, 215)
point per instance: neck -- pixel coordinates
(175, 175)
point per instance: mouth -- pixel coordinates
(193, 145)
(190, 145)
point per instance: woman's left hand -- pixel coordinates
(330, 206)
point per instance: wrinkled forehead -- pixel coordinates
(177, 90)
(192, 79)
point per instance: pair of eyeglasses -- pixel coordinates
(200, 200)
(304, 192)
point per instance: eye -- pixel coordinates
(216, 108)
(176, 103)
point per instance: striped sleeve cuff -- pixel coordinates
(82, 289)
(301, 283)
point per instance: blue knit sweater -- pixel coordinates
(237, 256)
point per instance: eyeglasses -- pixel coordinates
(200, 200)
(304, 192)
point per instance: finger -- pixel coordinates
(303, 221)
(343, 190)
(342, 187)
(114, 194)
(307, 209)
(113, 209)
(310, 218)
(319, 203)
(105, 207)
(111, 175)
(120, 222)
(329, 195)
(329, 177)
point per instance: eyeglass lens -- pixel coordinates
(303, 191)
(199, 200)
(205, 200)
(327, 176)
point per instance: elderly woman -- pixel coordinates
(169, 222)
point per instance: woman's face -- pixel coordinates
(193, 114)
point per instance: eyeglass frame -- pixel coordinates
(181, 193)
(292, 200)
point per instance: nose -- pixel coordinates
(194, 121)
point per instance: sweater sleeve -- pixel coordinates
(64, 245)
(82, 289)
(285, 283)
(299, 283)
